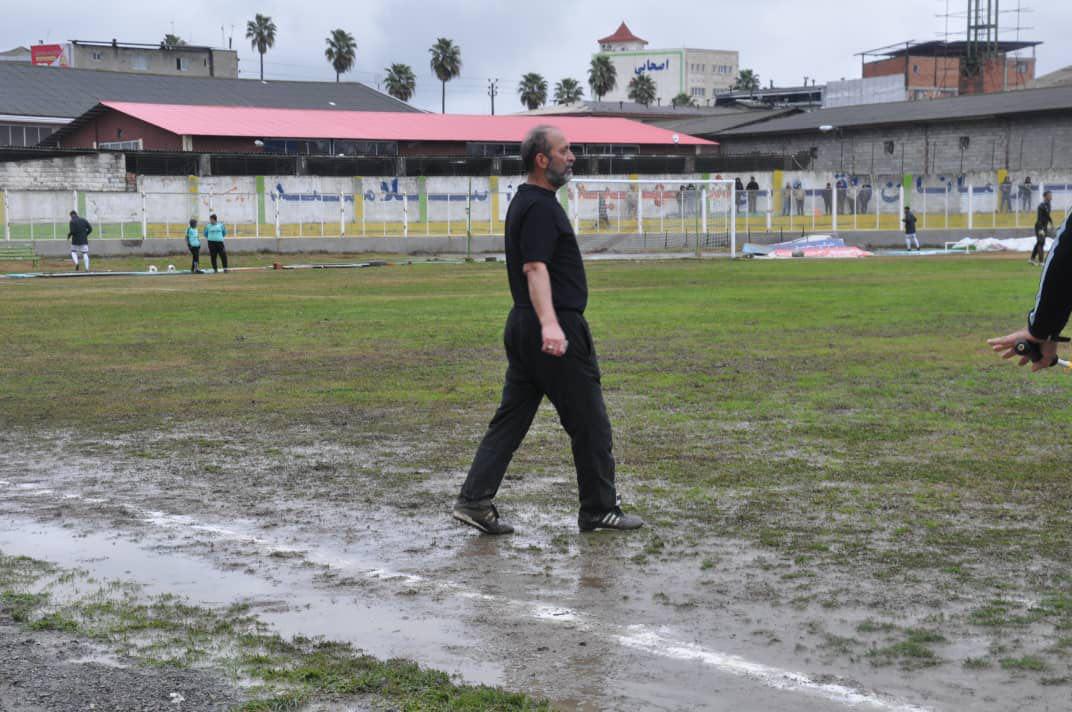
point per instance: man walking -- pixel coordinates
(1043, 226)
(909, 221)
(78, 233)
(549, 350)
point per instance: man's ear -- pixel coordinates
(546, 161)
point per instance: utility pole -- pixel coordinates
(493, 90)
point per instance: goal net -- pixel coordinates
(654, 214)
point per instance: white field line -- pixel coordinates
(638, 637)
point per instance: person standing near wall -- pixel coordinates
(787, 200)
(864, 197)
(753, 191)
(193, 242)
(909, 221)
(828, 195)
(1025, 194)
(1005, 196)
(798, 197)
(78, 233)
(215, 231)
(1043, 228)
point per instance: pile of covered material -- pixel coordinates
(813, 246)
(992, 244)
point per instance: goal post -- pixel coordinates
(655, 214)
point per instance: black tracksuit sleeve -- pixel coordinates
(1054, 299)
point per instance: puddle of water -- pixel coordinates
(383, 629)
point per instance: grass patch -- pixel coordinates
(165, 631)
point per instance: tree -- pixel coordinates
(747, 80)
(568, 91)
(642, 89)
(260, 31)
(683, 99)
(533, 90)
(400, 81)
(446, 63)
(171, 40)
(602, 76)
(341, 51)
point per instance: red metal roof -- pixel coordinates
(185, 120)
(622, 34)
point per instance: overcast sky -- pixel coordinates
(783, 40)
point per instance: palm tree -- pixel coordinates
(446, 63)
(171, 40)
(747, 80)
(568, 91)
(683, 99)
(533, 90)
(642, 89)
(341, 51)
(602, 76)
(260, 31)
(400, 81)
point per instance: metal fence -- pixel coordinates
(677, 210)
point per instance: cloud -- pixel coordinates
(782, 40)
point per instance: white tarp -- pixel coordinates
(992, 244)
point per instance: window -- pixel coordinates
(139, 61)
(96, 56)
(134, 145)
(182, 64)
(488, 150)
(915, 69)
(698, 91)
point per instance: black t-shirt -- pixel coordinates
(1043, 219)
(910, 224)
(538, 230)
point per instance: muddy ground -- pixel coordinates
(345, 534)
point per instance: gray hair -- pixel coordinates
(536, 141)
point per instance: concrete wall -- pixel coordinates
(1028, 144)
(153, 60)
(105, 171)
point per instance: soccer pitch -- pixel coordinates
(850, 499)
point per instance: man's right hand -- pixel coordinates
(554, 340)
(1006, 347)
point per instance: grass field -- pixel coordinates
(907, 492)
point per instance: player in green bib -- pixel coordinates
(193, 242)
(214, 234)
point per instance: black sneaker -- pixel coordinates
(612, 519)
(486, 518)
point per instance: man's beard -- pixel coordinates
(558, 178)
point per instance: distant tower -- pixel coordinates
(982, 42)
(623, 40)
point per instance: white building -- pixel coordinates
(696, 72)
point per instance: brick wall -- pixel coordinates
(114, 126)
(105, 171)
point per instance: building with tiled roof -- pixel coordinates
(622, 40)
(699, 73)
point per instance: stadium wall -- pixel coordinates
(103, 171)
(1026, 144)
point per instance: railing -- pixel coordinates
(617, 209)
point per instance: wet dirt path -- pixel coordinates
(577, 619)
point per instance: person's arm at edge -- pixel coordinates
(539, 284)
(1050, 315)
